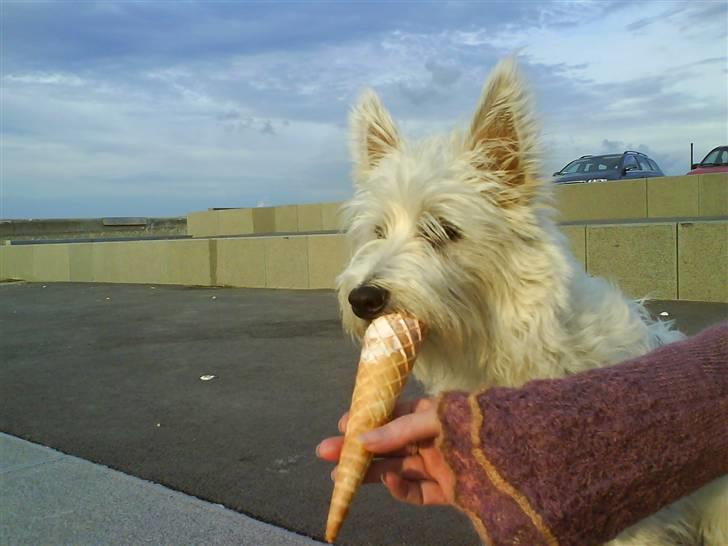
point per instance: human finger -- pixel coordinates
(419, 492)
(330, 448)
(402, 408)
(397, 434)
(342, 422)
(410, 467)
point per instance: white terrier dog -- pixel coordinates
(458, 231)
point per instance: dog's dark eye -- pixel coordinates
(379, 232)
(438, 232)
(451, 231)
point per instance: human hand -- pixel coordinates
(410, 465)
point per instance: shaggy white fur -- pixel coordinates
(458, 231)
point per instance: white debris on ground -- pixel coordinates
(664, 314)
(206, 377)
(283, 466)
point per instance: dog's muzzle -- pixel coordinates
(368, 301)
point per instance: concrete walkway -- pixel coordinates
(51, 498)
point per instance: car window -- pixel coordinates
(644, 163)
(592, 164)
(572, 167)
(723, 157)
(629, 160)
(712, 157)
(654, 166)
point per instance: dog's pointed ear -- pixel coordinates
(502, 134)
(373, 133)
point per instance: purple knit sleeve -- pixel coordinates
(574, 461)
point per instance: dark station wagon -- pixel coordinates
(602, 168)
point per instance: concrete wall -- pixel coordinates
(641, 258)
(83, 228)
(682, 260)
(665, 197)
(646, 198)
(602, 200)
(265, 220)
(703, 261)
(576, 236)
(672, 260)
(156, 262)
(299, 262)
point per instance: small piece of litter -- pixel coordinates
(664, 314)
(108, 299)
(214, 297)
(206, 377)
(159, 425)
(44, 286)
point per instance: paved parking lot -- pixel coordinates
(112, 374)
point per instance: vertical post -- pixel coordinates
(691, 156)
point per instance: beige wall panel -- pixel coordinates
(310, 217)
(622, 199)
(327, 257)
(641, 258)
(50, 263)
(19, 262)
(144, 261)
(241, 262)
(264, 220)
(286, 262)
(235, 222)
(577, 242)
(330, 215)
(703, 261)
(286, 219)
(81, 262)
(673, 196)
(108, 262)
(187, 262)
(713, 194)
(204, 223)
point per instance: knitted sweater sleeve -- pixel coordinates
(574, 461)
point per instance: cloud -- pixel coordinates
(643, 22)
(267, 128)
(116, 103)
(46, 78)
(612, 146)
(443, 75)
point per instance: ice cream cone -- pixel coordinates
(388, 353)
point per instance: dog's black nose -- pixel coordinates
(368, 301)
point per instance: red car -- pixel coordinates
(715, 162)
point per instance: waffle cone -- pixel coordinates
(388, 353)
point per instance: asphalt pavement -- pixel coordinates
(192, 414)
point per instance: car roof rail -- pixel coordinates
(634, 152)
(582, 157)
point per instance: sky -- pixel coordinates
(163, 107)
